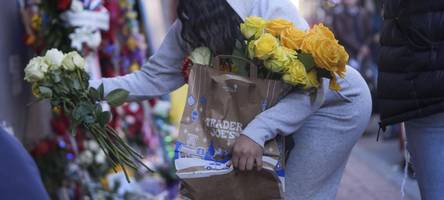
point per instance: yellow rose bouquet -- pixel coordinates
(299, 58)
(62, 79)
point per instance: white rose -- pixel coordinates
(36, 69)
(54, 58)
(201, 55)
(92, 145)
(72, 61)
(77, 6)
(100, 157)
(86, 158)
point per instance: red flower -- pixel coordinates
(60, 124)
(43, 148)
(186, 68)
(63, 5)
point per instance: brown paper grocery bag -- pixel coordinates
(219, 105)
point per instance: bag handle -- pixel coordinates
(226, 77)
(253, 68)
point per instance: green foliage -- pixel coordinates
(240, 51)
(45, 92)
(307, 60)
(103, 118)
(69, 90)
(117, 97)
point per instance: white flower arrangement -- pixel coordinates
(62, 79)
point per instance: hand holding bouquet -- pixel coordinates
(62, 79)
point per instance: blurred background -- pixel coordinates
(73, 167)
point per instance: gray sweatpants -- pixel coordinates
(324, 141)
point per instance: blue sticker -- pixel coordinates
(203, 100)
(210, 152)
(177, 150)
(279, 170)
(194, 115)
(264, 105)
(200, 152)
(191, 101)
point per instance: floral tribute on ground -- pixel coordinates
(62, 79)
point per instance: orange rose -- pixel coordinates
(292, 38)
(321, 30)
(325, 49)
(276, 26)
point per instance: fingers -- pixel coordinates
(247, 162)
(250, 163)
(259, 162)
(246, 154)
(235, 160)
(243, 163)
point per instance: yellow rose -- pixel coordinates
(312, 79)
(280, 59)
(253, 27)
(276, 26)
(314, 35)
(292, 38)
(328, 54)
(343, 60)
(296, 74)
(263, 47)
(321, 30)
(334, 83)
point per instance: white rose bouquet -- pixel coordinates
(62, 79)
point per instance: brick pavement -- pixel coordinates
(362, 182)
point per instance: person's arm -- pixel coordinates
(285, 118)
(160, 75)
(287, 115)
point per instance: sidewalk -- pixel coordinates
(372, 175)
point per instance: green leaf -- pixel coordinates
(89, 119)
(56, 76)
(241, 65)
(93, 93)
(101, 90)
(307, 60)
(103, 118)
(76, 84)
(324, 73)
(117, 97)
(239, 45)
(82, 111)
(239, 51)
(45, 92)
